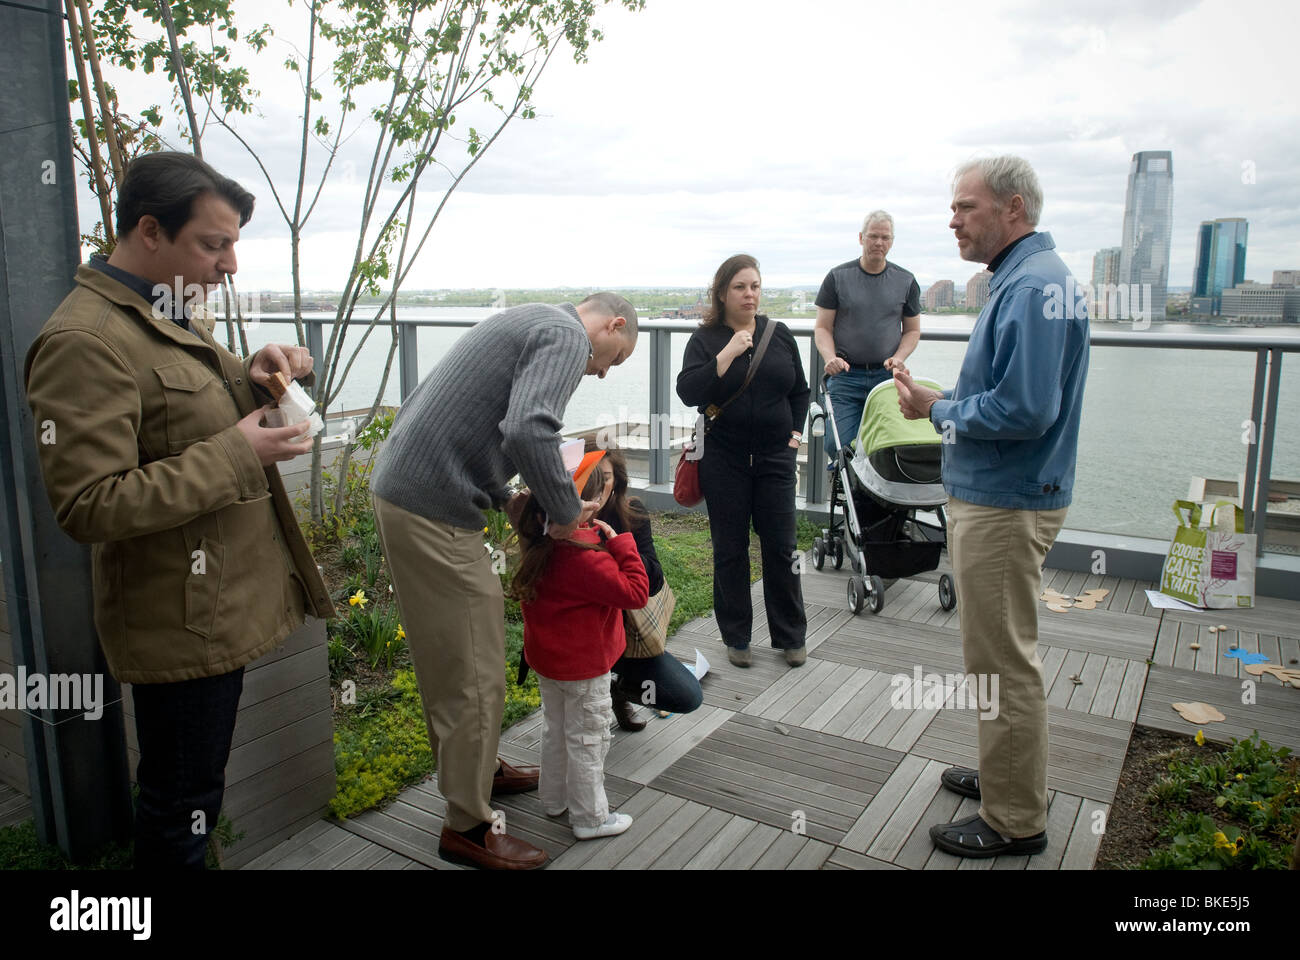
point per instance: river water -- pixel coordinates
(1153, 417)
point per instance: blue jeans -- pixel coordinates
(184, 729)
(674, 688)
(848, 392)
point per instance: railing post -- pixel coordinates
(816, 488)
(408, 358)
(660, 403)
(316, 346)
(1266, 450)
(1252, 448)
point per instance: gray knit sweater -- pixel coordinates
(493, 407)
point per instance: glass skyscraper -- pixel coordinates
(1220, 260)
(1148, 223)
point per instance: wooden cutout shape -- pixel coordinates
(1098, 595)
(1058, 607)
(1258, 669)
(1088, 603)
(1198, 713)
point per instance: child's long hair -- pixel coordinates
(536, 547)
(619, 512)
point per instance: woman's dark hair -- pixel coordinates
(619, 512)
(163, 185)
(536, 547)
(715, 313)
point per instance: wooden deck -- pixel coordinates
(815, 769)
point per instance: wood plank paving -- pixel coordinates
(15, 807)
(824, 768)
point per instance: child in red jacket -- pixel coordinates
(573, 594)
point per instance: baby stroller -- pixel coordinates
(877, 487)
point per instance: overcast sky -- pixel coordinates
(702, 128)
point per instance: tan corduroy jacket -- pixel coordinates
(199, 564)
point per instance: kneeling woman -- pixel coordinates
(662, 681)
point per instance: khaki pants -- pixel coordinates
(997, 558)
(453, 613)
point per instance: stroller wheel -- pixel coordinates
(947, 592)
(857, 594)
(838, 553)
(877, 598)
(818, 553)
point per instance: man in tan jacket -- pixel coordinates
(152, 452)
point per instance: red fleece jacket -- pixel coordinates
(574, 629)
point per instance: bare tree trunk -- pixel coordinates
(96, 159)
(110, 126)
(181, 80)
(230, 323)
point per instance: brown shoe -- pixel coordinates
(510, 779)
(623, 710)
(499, 851)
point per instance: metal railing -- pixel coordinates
(1263, 412)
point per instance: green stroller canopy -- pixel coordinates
(883, 424)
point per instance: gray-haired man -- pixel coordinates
(1014, 418)
(493, 407)
(868, 323)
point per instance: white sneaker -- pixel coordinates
(616, 824)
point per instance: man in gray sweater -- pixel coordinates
(493, 407)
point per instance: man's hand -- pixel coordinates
(914, 401)
(836, 365)
(293, 362)
(273, 444)
(563, 532)
(894, 363)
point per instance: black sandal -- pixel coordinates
(973, 837)
(962, 780)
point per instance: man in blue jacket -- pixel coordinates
(1011, 431)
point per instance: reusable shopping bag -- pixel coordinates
(1211, 566)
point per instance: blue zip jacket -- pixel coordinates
(1014, 414)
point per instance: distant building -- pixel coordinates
(1148, 221)
(977, 290)
(1105, 274)
(1286, 278)
(939, 295)
(1261, 303)
(1220, 262)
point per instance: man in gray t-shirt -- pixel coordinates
(868, 323)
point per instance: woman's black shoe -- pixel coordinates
(623, 710)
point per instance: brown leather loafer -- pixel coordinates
(499, 851)
(510, 779)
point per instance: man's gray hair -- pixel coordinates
(878, 216)
(613, 305)
(1006, 177)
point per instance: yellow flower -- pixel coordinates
(401, 634)
(1238, 776)
(358, 599)
(1200, 738)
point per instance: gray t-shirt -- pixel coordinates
(869, 309)
(492, 407)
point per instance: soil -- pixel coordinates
(1133, 824)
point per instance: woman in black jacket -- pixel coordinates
(662, 682)
(748, 467)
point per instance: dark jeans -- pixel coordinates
(738, 491)
(674, 689)
(848, 392)
(184, 730)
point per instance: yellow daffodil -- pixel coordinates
(1200, 738)
(401, 634)
(358, 599)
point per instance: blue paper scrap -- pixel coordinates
(1247, 657)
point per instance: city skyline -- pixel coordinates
(1146, 240)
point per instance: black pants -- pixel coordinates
(737, 491)
(184, 730)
